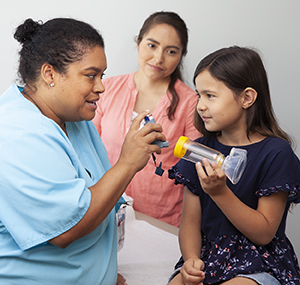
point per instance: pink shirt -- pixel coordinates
(154, 195)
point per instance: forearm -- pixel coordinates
(104, 195)
(190, 241)
(259, 225)
(135, 153)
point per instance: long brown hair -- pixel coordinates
(172, 19)
(239, 68)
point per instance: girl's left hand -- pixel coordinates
(211, 176)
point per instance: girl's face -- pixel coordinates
(159, 52)
(77, 91)
(218, 107)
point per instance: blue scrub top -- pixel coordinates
(44, 180)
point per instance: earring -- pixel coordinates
(51, 84)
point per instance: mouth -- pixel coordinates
(93, 103)
(205, 119)
(156, 68)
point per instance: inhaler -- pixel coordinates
(232, 165)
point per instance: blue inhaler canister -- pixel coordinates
(150, 119)
(233, 165)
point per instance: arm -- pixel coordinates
(135, 153)
(190, 239)
(259, 225)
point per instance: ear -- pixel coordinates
(248, 97)
(48, 73)
(137, 42)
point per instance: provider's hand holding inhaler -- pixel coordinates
(149, 119)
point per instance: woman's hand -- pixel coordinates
(192, 272)
(137, 147)
(211, 176)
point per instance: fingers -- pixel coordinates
(138, 119)
(192, 271)
(150, 131)
(208, 172)
(137, 147)
(199, 264)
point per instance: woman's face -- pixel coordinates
(159, 51)
(77, 91)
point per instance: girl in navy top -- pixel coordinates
(235, 234)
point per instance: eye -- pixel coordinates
(198, 94)
(102, 75)
(151, 45)
(91, 76)
(172, 52)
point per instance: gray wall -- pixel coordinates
(272, 26)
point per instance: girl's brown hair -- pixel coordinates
(239, 68)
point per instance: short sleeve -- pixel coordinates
(282, 172)
(41, 193)
(184, 172)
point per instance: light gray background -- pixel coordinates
(272, 26)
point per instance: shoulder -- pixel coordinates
(184, 89)
(274, 147)
(18, 115)
(118, 80)
(188, 98)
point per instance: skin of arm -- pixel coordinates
(258, 225)
(135, 153)
(190, 240)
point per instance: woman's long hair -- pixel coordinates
(172, 19)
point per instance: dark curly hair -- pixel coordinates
(59, 42)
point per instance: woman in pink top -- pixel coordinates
(157, 87)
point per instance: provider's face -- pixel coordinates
(77, 91)
(159, 52)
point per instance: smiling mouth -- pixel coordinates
(92, 102)
(204, 119)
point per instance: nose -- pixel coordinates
(201, 106)
(159, 55)
(98, 87)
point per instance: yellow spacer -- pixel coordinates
(179, 150)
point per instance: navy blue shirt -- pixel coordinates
(271, 167)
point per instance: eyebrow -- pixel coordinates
(152, 40)
(96, 69)
(206, 91)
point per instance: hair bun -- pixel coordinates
(27, 30)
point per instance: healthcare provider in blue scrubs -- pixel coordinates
(57, 189)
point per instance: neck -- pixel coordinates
(143, 82)
(29, 95)
(239, 139)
